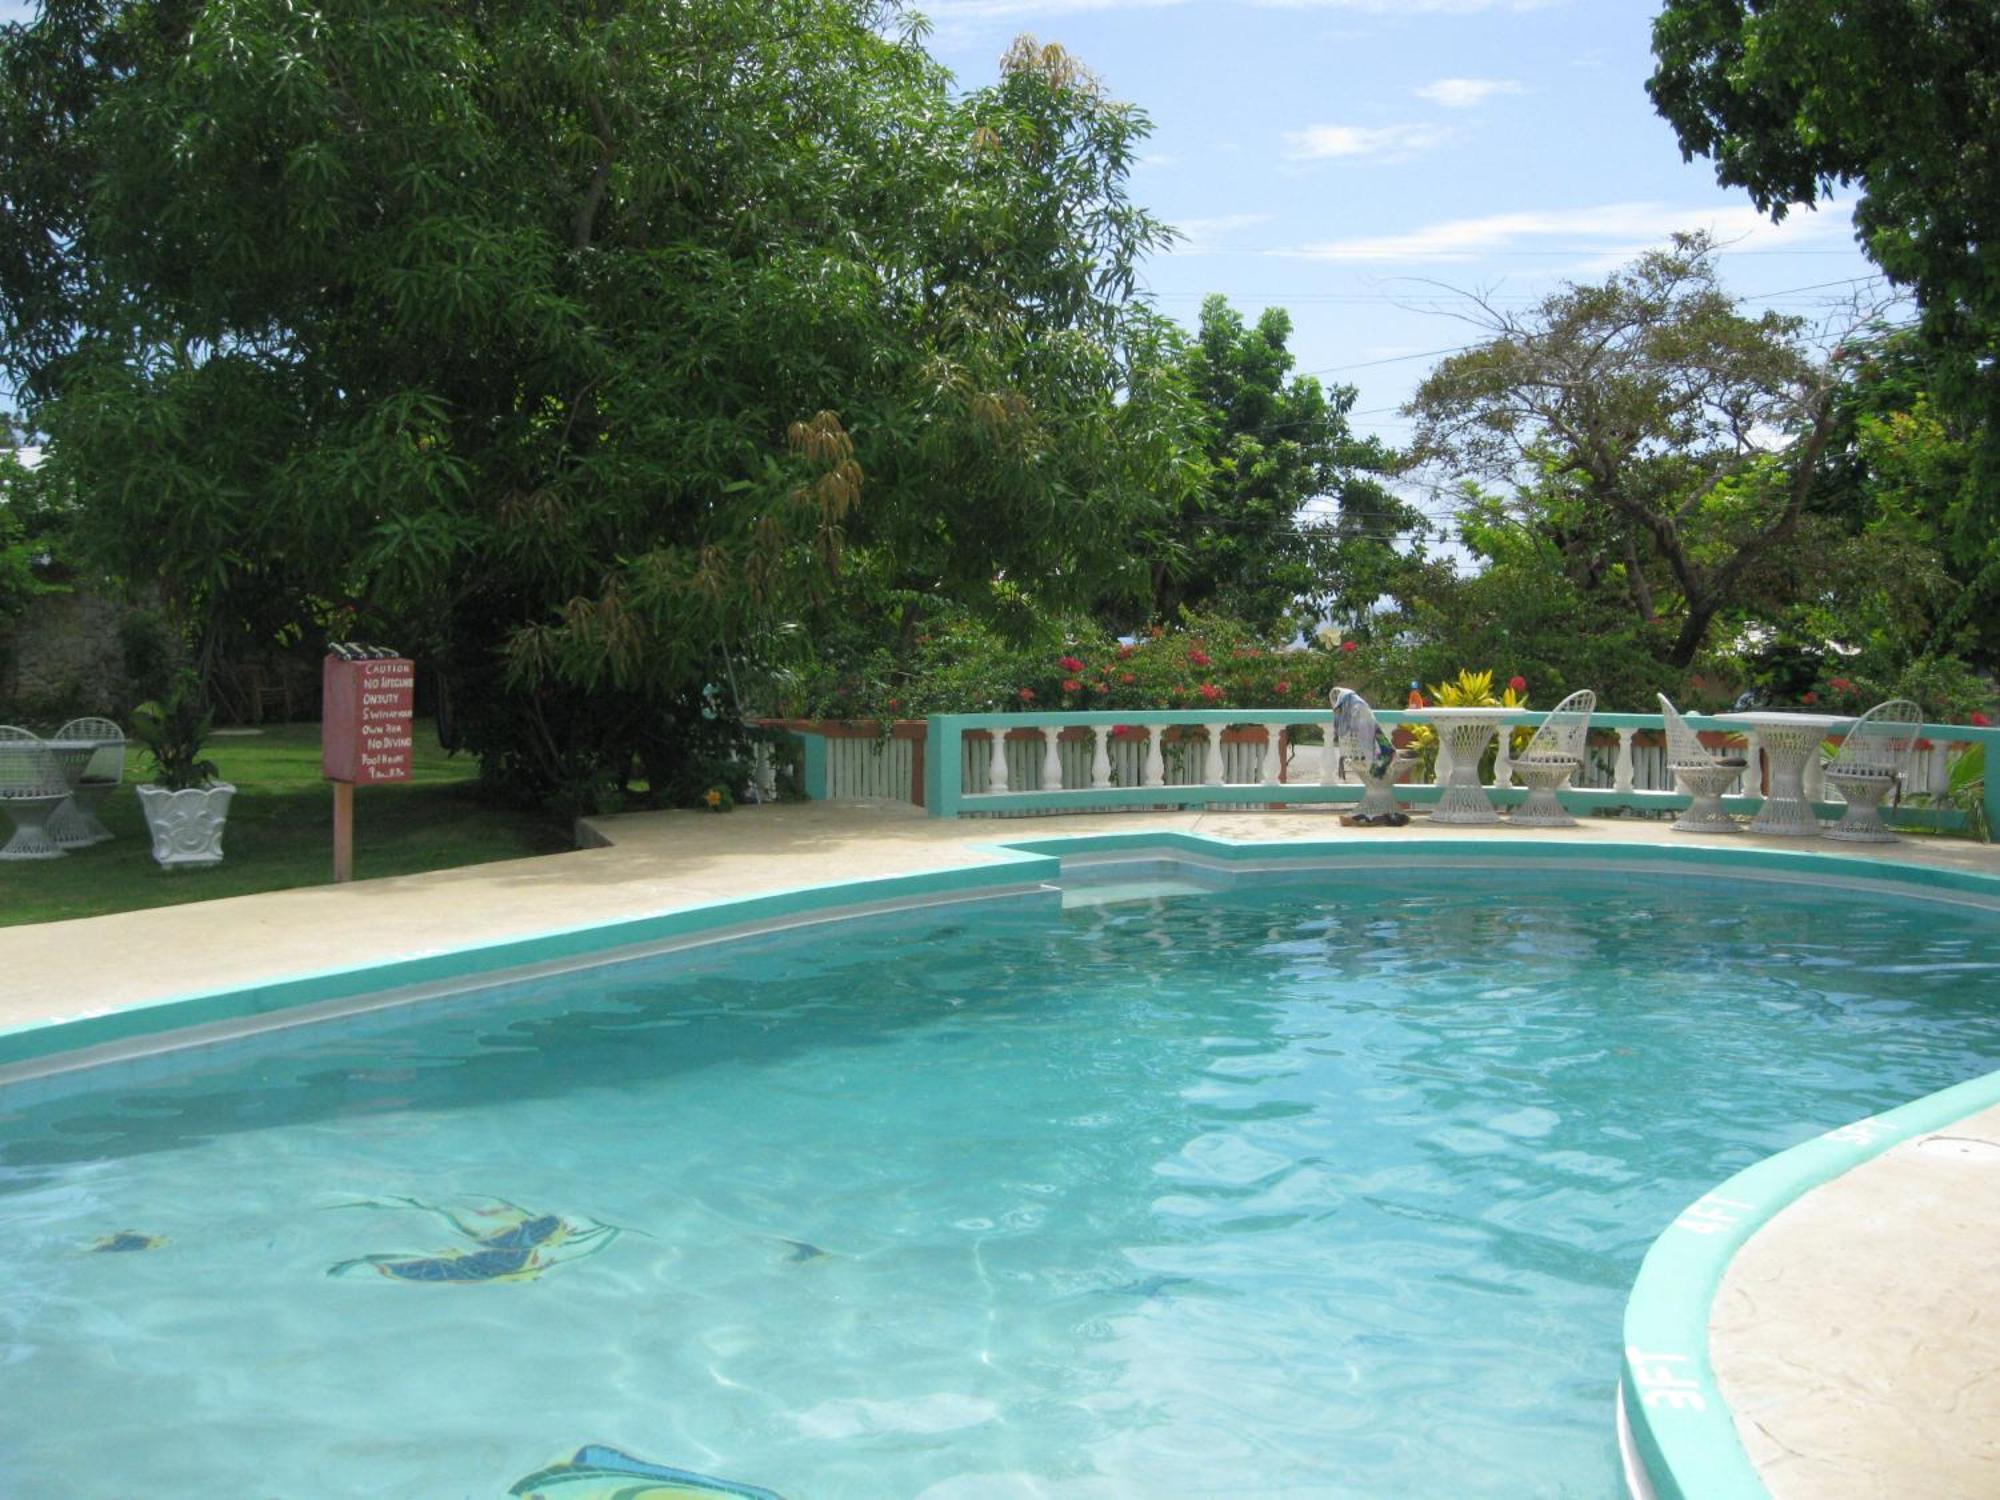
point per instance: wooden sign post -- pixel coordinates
(365, 736)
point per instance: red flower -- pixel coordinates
(1071, 685)
(1210, 691)
(1125, 652)
(1128, 678)
(1350, 645)
(1283, 688)
(1070, 664)
(895, 703)
(1121, 731)
(1840, 684)
(1981, 720)
(1198, 657)
(1027, 695)
(1924, 744)
(1518, 684)
(1810, 697)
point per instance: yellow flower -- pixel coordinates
(713, 797)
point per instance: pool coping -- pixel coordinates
(1676, 1432)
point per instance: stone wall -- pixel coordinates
(62, 657)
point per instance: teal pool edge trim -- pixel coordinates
(1671, 1410)
(1011, 862)
(38, 1042)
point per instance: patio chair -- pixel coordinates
(1701, 773)
(32, 786)
(1361, 744)
(1872, 762)
(1553, 756)
(75, 824)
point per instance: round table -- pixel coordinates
(1464, 733)
(1789, 741)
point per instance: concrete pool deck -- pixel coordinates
(1848, 1335)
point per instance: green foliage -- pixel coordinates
(1622, 417)
(587, 352)
(961, 664)
(173, 731)
(148, 648)
(1791, 97)
(1244, 542)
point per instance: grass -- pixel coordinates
(280, 832)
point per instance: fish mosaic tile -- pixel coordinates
(601, 1473)
(507, 1243)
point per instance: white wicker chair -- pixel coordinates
(1553, 756)
(1358, 751)
(1703, 775)
(75, 824)
(32, 787)
(1872, 762)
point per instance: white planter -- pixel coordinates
(187, 825)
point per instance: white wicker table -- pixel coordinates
(1789, 742)
(1463, 734)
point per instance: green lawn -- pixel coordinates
(281, 832)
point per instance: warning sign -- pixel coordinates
(365, 725)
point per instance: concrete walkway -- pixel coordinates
(1854, 1336)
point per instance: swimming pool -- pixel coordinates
(1324, 1187)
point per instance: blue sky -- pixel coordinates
(1341, 157)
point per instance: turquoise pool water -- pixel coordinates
(1321, 1189)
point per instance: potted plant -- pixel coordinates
(185, 805)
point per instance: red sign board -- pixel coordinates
(365, 724)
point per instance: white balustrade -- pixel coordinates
(1100, 756)
(1156, 757)
(1621, 774)
(1211, 756)
(1272, 769)
(996, 763)
(1052, 777)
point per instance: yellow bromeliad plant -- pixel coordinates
(1472, 690)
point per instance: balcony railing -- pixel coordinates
(1017, 764)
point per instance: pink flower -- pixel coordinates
(1027, 695)
(1071, 685)
(1809, 697)
(1518, 684)
(1350, 645)
(1198, 657)
(1210, 691)
(1070, 664)
(1981, 720)
(1128, 678)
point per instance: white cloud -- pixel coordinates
(1320, 142)
(1203, 236)
(1466, 93)
(1610, 232)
